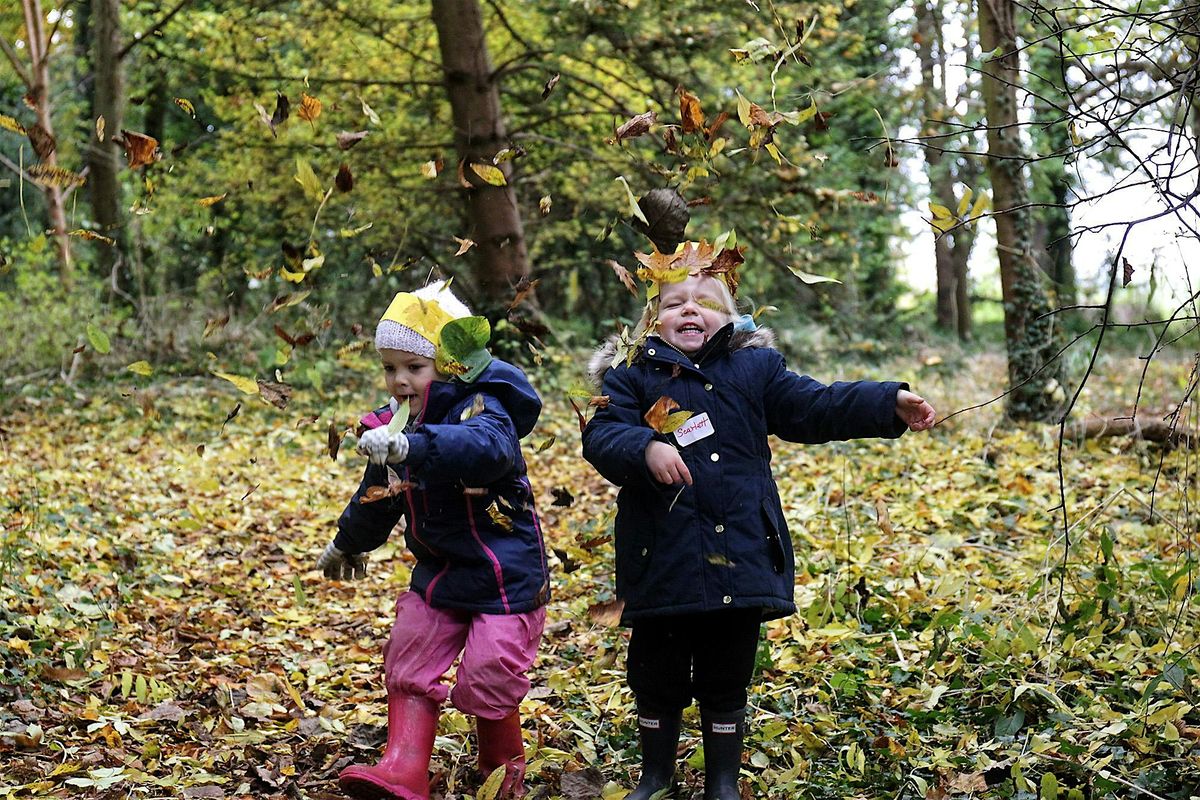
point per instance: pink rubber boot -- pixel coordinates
(500, 745)
(403, 771)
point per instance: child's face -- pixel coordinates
(408, 375)
(691, 311)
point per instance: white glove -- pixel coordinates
(337, 565)
(382, 448)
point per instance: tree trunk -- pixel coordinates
(104, 157)
(495, 220)
(941, 182)
(1028, 328)
(39, 93)
(970, 172)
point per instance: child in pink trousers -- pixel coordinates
(456, 475)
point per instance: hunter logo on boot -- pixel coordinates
(724, 727)
(652, 724)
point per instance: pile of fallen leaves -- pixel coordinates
(163, 633)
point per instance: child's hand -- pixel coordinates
(666, 465)
(337, 565)
(381, 447)
(914, 410)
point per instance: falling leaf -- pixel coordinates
(10, 124)
(98, 339)
(624, 276)
(634, 209)
(46, 175)
(562, 497)
(432, 168)
(368, 111)
(100, 128)
(634, 127)
(607, 613)
(187, 106)
(214, 324)
(281, 113)
(347, 139)
(499, 517)
(474, 410)
(310, 108)
(523, 288)
(42, 141)
(657, 415)
(1126, 272)
(490, 174)
(233, 412)
(308, 179)
(689, 111)
(277, 394)
(142, 368)
(334, 441)
(246, 385)
(882, 518)
(207, 202)
(508, 154)
(90, 236)
(140, 149)
(545, 445)
(344, 180)
(463, 245)
(550, 84)
(544, 205)
(809, 277)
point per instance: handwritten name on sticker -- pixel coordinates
(695, 429)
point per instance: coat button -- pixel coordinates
(715, 456)
(650, 351)
(726, 599)
(697, 366)
(645, 551)
(708, 387)
(719, 529)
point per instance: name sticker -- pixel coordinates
(695, 429)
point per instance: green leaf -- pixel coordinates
(142, 368)
(98, 339)
(399, 419)
(462, 351)
(308, 180)
(487, 172)
(491, 787)
(743, 110)
(809, 277)
(1049, 787)
(298, 591)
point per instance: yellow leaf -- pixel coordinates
(91, 236)
(774, 151)
(368, 111)
(8, 123)
(310, 108)
(187, 106)
(213, 200)
(491, 787)
(141, 368)
(430, 169)
(982, 203)
(544, 205)
(943, 225)
(100, 128)
(940, 212)
(246, 385)
(634, 209)
(964, 203)
(743, 110)
(294, 277)
(308, 179)
(675, 420)
(493, 175)
(1076, 139)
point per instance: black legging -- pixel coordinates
(709, 656)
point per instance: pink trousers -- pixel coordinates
(497, 650)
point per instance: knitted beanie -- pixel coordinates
(414, 320)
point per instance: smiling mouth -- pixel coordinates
(689, 328)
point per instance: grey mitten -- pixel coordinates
(339, 566)
(381, 447)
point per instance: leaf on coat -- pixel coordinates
(394, 488)
(658, 414)
(608, 613)
(499, 517)
(474, 410)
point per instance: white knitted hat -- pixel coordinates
(414, 320)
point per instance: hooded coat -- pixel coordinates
(722, 542)
(482, 554)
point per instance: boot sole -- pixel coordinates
(364, 788)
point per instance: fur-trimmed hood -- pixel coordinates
(602, 356)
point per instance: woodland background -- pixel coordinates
(204, 206)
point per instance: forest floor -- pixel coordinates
(163, 632)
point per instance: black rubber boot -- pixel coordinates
(660, 741)
(722, 753)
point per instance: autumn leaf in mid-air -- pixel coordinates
(607, 613)
(140, 149)
(394, 487)
(656, 417)
(347, 139)
(524, 288)
(463, 245)
(344, 180)
(310, 108)
(690, 111)
(634, 127)
(624, 276)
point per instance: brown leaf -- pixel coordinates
(63, 674)
(584, 784)
(634, 127)
(499, 517)
(882, 518)
(140, 149)
(463, 245)
(624, 276)
(236, 410)
(1126, 272)
(562, 497)
(346, 139)
(214, 324)
(394, 487)
(690, 111)
(46, 175)
(608, 613)
(42, 141)
(335, 440)
(524, 288)
(656, 416)
(277, 394)
(344, 180)
(550, 84)
(711, 131)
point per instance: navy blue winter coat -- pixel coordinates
(466, 560)
(721, 542)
